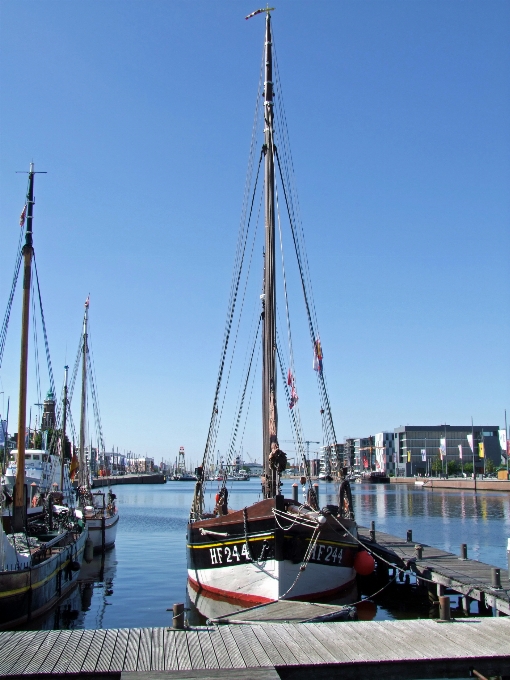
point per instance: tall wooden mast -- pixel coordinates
(19, 514)
(82, 475)
(269, 407)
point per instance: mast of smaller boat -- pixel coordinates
(269, 406)
(64, 425)
(20, 507)
(82, 474)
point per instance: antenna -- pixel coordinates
(259, 11)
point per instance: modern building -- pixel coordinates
(418, 446)
(385, 460)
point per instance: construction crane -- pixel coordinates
(307, 442)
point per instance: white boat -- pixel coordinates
(275, 548)
(99, 510)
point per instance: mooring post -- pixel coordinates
(496, 577)
(295, 488)
(178, 618)
(372, 530)
(419, 551)
(409, 535)
(444, 608)
(463, 551)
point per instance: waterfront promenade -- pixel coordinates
(460, 483)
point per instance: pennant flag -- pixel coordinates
(460, 451)
(424, 455)
(289, 377)
(22, 216)
(481, 450)
(75, 464)
(317, 355)
(470, 442)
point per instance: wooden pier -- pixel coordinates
(471, 579)
(149, 478)
(386, 649)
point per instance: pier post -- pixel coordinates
(496, 577)
(178, 618)
(466, 603)
(295, 488)
(419, 552)
(409, 535)
(440, 590)
(444, 608)
(372, 531)
(463, 551)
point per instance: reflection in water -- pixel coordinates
(146, 572)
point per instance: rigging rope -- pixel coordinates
(5, 323)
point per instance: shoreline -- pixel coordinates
(455, 483)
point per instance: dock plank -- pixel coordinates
(207, 647)
(333, 642)
(105, 658)
(236, 658)
(133, 645)
(271, 650)
(59, 648)
(76, 661)
(64, 660)
(145, 650)
(300, 655)
(158, 649)
(258, 650)
(14, 649)
(183, 658)
(42, 644)
(304, 638)
(195, 650)
(220, 649)
(170, 650)
(120, 650)
(94, 652)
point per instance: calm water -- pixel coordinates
(146, 572)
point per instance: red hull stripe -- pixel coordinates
(241, 597)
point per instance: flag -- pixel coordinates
(289, 377)
(442, 448)
(408, 456)
(317, 355)
(365, 462)
(424, 455)
(293, 396)
(22, 216)
(502, 440)
(481, 450)
(460, 451)
(87, 301)
(470, 442)
(73, 468)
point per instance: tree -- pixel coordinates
(489, 466)
(453, 467)
(468, 468)
(437, 465)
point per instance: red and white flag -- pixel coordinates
(22, 216)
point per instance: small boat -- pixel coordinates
(275, 548)
(40, 557)
(99, 509)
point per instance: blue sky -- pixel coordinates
(141, 113)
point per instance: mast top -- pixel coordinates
(259, 11)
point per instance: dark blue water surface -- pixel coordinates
(146, 571)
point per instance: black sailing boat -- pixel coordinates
(39, 559)
(277, 547)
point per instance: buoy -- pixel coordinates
(364, 563)
(75, 566)
(88, 554)
(217, 497)
(366, 610)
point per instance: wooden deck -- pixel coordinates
(470, 578)
(288, 611)
(386, 649)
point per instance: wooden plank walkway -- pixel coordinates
(469, 578)
(288, 611)
(385, 649)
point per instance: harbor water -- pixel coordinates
(135, 584)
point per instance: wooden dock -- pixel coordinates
(471, 579)
(386, 649)
(289, 611)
